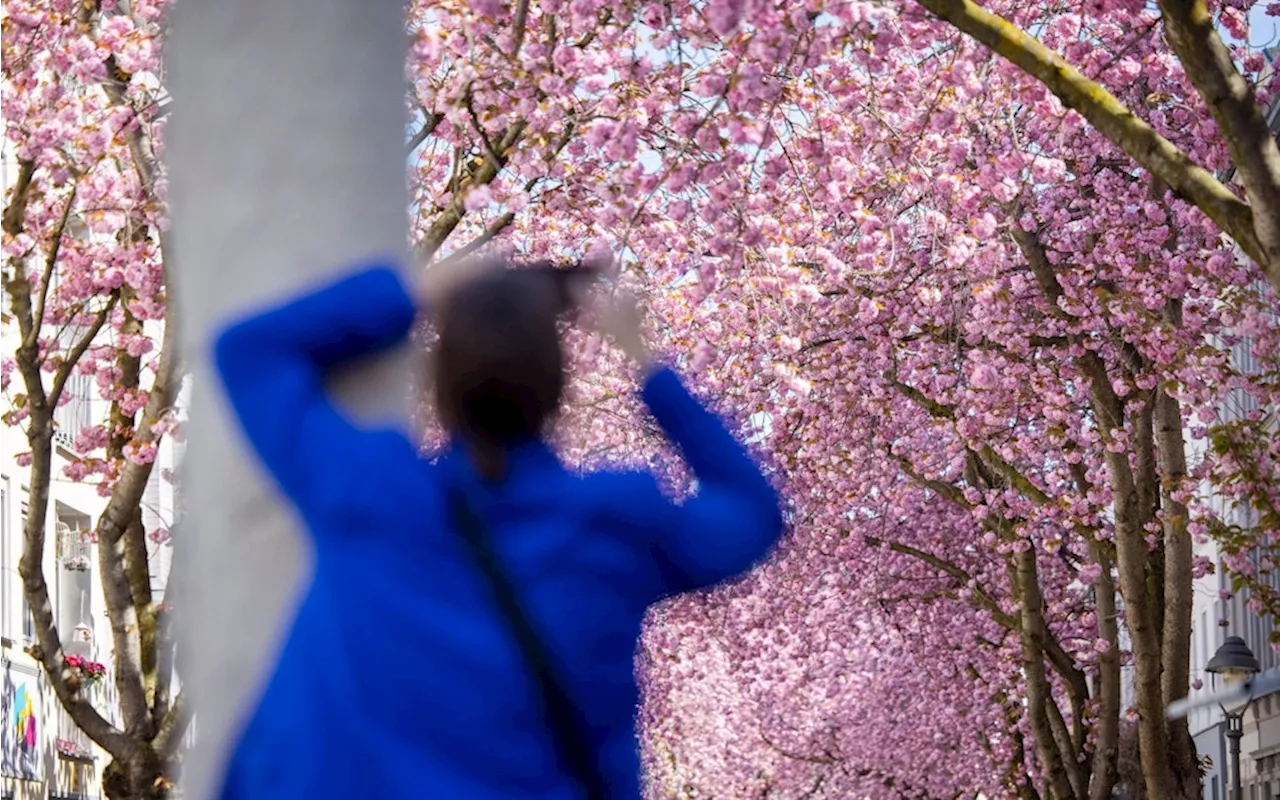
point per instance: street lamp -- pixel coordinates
(1236, 665)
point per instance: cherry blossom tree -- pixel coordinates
(975, 343)
(1237, 87)
(1227, 89)
(84, 249)
(941, 291)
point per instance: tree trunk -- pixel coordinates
(1134, 557)
(140, 778)
(1039, 695)
(1178, 557)
(287, 165)
(1133, 503)
(1107, 746)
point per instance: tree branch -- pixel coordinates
(490, 233)
(128, 600)
(173, 727)
(1039, 695)
(428, 127)
(518, 25)
(1006, 470)
(1063, 664)
(164, 649)
(1107, 743)
(66, 683)
(51, 260)
(453, 213)
(1113, 120)
(15, 211)
(941, 488)
(1109, 406)
(63, 373)
(935, 409)
(140, 151)
(133, 479)
(962, 576)
(1189, 27)
(484, 137)
(125, 635)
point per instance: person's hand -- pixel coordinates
(436, 281)
(617, 314)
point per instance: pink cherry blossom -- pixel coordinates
(735, 241)
(898, 267)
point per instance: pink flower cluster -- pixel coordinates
(897, 273)
(916, 284)
(92, 670)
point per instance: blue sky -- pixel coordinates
(1263, 30)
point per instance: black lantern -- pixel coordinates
(1235, 665)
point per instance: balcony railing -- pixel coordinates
(77, 413)
(72, 743)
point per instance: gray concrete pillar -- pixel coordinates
(286, 159)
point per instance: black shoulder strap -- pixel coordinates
(576, 751)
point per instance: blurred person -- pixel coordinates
(470, 627)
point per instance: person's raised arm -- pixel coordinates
(734, 517)
(273, 366)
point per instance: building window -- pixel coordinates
(5, 566)
(73, 585)
(75, 414)
(28, 623)
(1204, 638)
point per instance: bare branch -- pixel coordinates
(64, 370)
(962, 576)
(51, 262)
(428, 127)
(173, 727)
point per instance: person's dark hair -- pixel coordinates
(498, 367)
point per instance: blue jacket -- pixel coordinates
(399, 678)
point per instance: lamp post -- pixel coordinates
(1236, 665)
